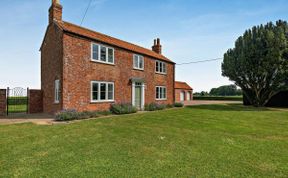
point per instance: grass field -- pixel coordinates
(222, 98)
(199, 141)
(17, 108)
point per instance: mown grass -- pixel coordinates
(17, 108)
(198, 141)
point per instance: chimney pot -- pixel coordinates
(55, 11)
(158, 41)
(157, 46)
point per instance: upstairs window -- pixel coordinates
(161, 93)
(102, 91)
(138, 62)
(57, 91)
(102, 54)
(161, 67)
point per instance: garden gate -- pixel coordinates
(17, 100)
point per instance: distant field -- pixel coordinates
(224, 98)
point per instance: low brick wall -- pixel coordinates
(35, 101)
(3, 102)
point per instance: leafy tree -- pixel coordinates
(259, 62)
(226, 90)
(202, 93)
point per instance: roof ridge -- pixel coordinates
(110, 36)
(152, 53)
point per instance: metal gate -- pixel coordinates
(17, 100)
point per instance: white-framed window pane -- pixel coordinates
(110, 91)
(164, 68)
(141, 62)
(110, 55)
(57, 91)
(103, 91)
(164, 93)
(103, 54)
(160, 67)
(157, 66)
(95, 50)
(95, 91)
(135, 61)
(157, 93)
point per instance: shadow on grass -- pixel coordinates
(229, 107)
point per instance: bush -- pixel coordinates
(178, 105)
(169, 106)
(123, 109)
(154, 107)
(71, 114)
(67, 115)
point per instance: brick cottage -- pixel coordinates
(85, 70)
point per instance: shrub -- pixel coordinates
(179, 105)
(123, 109)
(71, 114)
(67, 115)
(169, 106)
(154, 107)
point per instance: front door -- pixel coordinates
(182, 95)
(138, 96)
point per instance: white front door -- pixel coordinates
(182, 95)
(138, 94)
(188, 96)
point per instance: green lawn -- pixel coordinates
(200, 141)
(17, 108)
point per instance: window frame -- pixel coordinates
(161, 89)
(57, 91)
(99, 54)
(139, 57)
(99, 92)
(161, 65)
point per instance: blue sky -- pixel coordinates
(190, 30)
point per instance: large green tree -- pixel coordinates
(259, 62)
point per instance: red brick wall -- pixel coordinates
(3, 102)
(177, 95)
(35, 101)
(79, 71)
(51, 67)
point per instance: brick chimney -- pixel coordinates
(55, 11)
(157, 46)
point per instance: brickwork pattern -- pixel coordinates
(51, 67)
(3, 101)
(35, 101)
(79, 71)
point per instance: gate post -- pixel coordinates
(27, 104)
(7, 101)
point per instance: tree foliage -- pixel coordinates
(226, 90)
(259, 62)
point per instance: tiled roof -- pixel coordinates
(68, 27)
(182, 85)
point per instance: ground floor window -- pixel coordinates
(57, 91)
(102, 91)
(161, 93)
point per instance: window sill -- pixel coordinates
(56, 102)
(101, 62)
(161, 99)
(138, 69)
(106, 101)
(160, 73)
